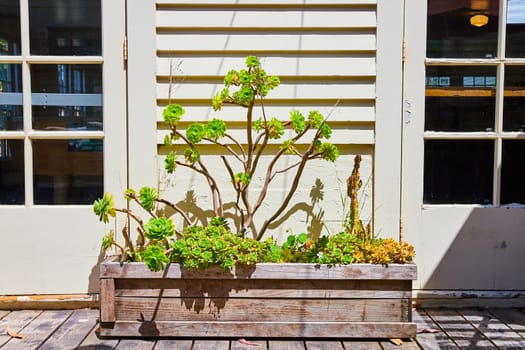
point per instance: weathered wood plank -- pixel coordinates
(263, 288)
(107, 300)
(459, 329)
(211, 344)
(512, 318)
(3, 313)
(135, 344)
(40, 328)
(267, 271)
(173, 344)
(260, 345)
(262, 329)
(231, 309)
(16, 321)
(73, 331)
(430, 341)
(92, 342)
(285, 345)
(324, 345)
(406, 345)
(492, 328)
(362, 345)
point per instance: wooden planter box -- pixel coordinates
(266, 300)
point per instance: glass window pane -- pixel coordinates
(458, 172)
(67, 171)
(462, 29)
(514, 101)
(515, 46)
(9, 27)
(513, 172)
(460, 98)
(11, 113)
(12, 172)
(65, 27)
(66, 97)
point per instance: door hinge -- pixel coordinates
(125, 51)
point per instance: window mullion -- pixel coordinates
(500, 94)
(500, 91)
(26, 101)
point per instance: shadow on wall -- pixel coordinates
(93, 279)
(486, 251)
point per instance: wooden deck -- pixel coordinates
(437, 329)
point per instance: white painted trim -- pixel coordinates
(413, 124)
(387, 159)
(142, 106)
(114, 77)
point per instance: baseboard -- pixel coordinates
(49, 302)
(469, 298)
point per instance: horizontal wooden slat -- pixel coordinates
(358, 90)
(336, 113)
(267, 271)
(261, 329)
(267, 18)
(180, 4)
(349, 289)
(357, 41)
(290, 52)
(220, 307)
(340, 67)
(361, 136)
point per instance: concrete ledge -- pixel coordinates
(469, 298)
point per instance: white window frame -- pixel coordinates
(498, 135)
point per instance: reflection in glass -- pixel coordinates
(66, 97)
(12, 172)
(514, 101)
(462, 29)
(9, 27)
(65, 27)
(513, 172)
(458, 171)
(515, 45)
(67, 171)
(11, 116)
(460, 98)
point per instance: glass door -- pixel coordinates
(465, 142)
(62, 137)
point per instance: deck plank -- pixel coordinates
(459, 329)
(512, 318)
(494, 329)
(135, 344)
(173, 344)
(324, 345)
(3, 313)
(362, 345)
(38, 330)
(73, 331)
(16, 321)
(211, 344)
(92, 342)
(406, 345)
(430, 341)
(237, 345)
(285, 345)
